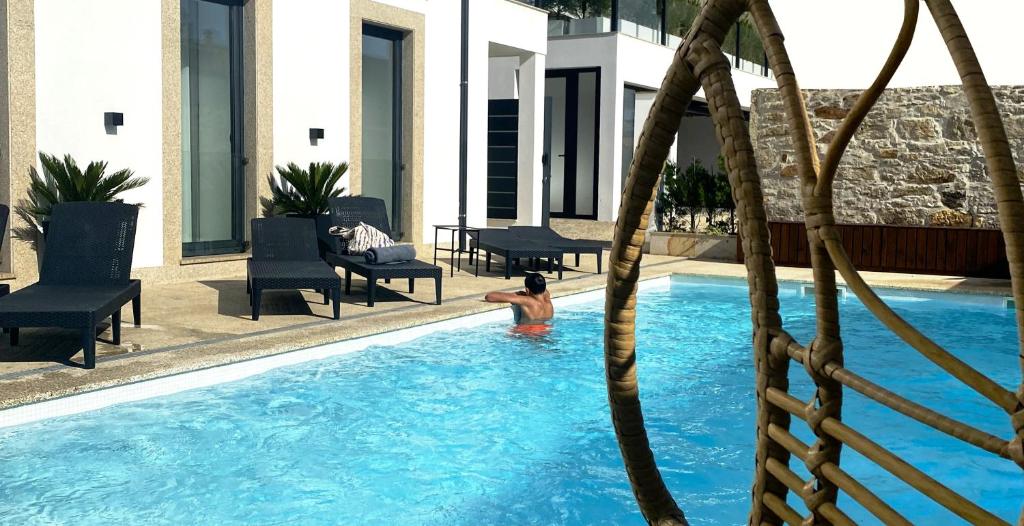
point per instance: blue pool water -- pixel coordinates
(483, 426)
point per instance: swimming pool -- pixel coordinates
(481, 425)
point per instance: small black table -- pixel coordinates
(462, 231)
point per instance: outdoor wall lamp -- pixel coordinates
(316, 133)
(112, 119)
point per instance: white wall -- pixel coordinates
(837, 54)
(96, 57)
(522, 31)
(311, 82)
(501, 78)
(598, 51)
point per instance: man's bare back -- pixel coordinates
(532, 305)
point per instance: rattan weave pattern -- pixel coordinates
(348, 212)
(285, 256)
(699, 62)
(85, 275)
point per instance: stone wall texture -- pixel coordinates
(915, 160)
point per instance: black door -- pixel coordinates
(575, 134)
(502, 158)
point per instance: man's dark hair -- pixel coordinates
(535, 283)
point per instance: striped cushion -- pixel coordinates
(365, 237)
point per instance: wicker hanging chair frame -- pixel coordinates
(699, 62)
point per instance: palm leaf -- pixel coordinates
(63, 181)
(305, 192)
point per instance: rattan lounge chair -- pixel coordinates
(348, 212)
(546, 235)
(513, 248)
(285, 256)
(85, 275)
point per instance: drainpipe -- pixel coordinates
(464, 124)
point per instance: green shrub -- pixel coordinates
(306, 192)
(63, 181)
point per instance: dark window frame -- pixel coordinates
(397, 38)
(236, 49)
(571, 76)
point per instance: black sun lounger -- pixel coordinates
(511, 247)
(85, 275)
(547, 236)
(285, 256)
(348, 212)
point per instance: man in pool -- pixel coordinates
(531, 306)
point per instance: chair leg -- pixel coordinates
(412, 285)
(14, 336)
(336, 292)
(550, 263)
(561, 267)
(137, 310)
(508, 267)
(487, 267)
(115, 327)
(348, 282)
(600, 260)
(437, 290)
(577, 259)
(89, 346)
(257, 295)
(387, 280)
(327, 298)
(371, 291)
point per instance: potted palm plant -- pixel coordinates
(63, 181)
(305, 193)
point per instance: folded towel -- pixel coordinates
(393, 254)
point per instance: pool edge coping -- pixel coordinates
(147, 388)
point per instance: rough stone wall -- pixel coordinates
(915, 160)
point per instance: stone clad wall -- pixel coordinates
(915, 160)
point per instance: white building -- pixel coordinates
(215, 93)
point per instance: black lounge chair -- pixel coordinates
(512, 248)
(348, 212)
(546, 235)
(85, 275)
(285, 256)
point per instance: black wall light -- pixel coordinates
(316, 133)
(111, 119)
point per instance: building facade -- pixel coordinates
(215, 93)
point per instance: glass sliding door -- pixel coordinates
(575, 132)
(211, 116)
(382, 119)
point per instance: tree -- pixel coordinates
(579, 8)
(681, 194)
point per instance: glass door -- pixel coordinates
(574, 127)
(213, 211)
(382, 119)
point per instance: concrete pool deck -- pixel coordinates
(200, 324)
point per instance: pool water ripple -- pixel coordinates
(486, 426)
